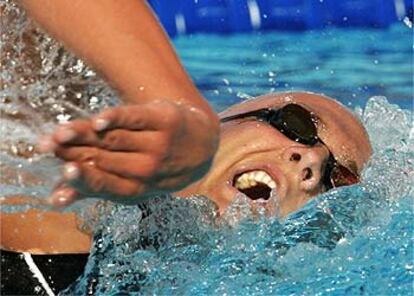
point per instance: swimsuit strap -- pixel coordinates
(27, 274)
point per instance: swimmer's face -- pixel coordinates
(253, 150)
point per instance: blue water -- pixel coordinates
(351, 241)
(350, 65)
(354, 240)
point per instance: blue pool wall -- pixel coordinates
(227, 16)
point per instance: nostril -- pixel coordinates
(307, 174)
(295, 157)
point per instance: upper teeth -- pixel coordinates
(251, 179)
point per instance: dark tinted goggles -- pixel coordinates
(298, 124)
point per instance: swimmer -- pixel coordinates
(309, 144)
(299, 144)
(322, 145)
(123, 42)
(144, 148)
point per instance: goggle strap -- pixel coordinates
(261, 113)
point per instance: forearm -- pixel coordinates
(39, 231)
(124, 42)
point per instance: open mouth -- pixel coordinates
(255, 184)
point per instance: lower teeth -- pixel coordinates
(260, 200)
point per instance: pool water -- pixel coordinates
(356, 240)
(349, 65)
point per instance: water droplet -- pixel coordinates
(62, 118)
(93, 100)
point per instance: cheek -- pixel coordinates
(292, 191)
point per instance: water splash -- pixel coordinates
(41, 84)
(352, 240)
(42, 79)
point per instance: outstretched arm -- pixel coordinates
(144, 150)
(124, 42)
(175, 132)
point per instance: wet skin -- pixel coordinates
(247, 145)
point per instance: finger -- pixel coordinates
(97, 183)
(46, 144)
(63, 196)
(174, 183)
(133, 141)
(78, 132)
(71, 171)
(152, 116)
(131, 165)
(125, 164)
(77, 153)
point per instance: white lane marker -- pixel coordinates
(37, 273)
(400, 8)
(254, 13)
(180, 23)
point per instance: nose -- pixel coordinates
(307, 165)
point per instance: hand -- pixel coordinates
(130, 152)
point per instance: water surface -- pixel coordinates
(351, 241)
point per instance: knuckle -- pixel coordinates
(111, 139)
(95, 184)
(162, 144)
(175, 183)
(172, 116)
(126, 192)
(90, 156)
(138, 123)
(150, 166)
(62, 152)
(131, 190)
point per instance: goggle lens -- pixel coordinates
(341, 176)
(297, 123)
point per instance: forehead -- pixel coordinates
(313, 102)
(337, 127)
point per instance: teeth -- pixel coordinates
(251, 179)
